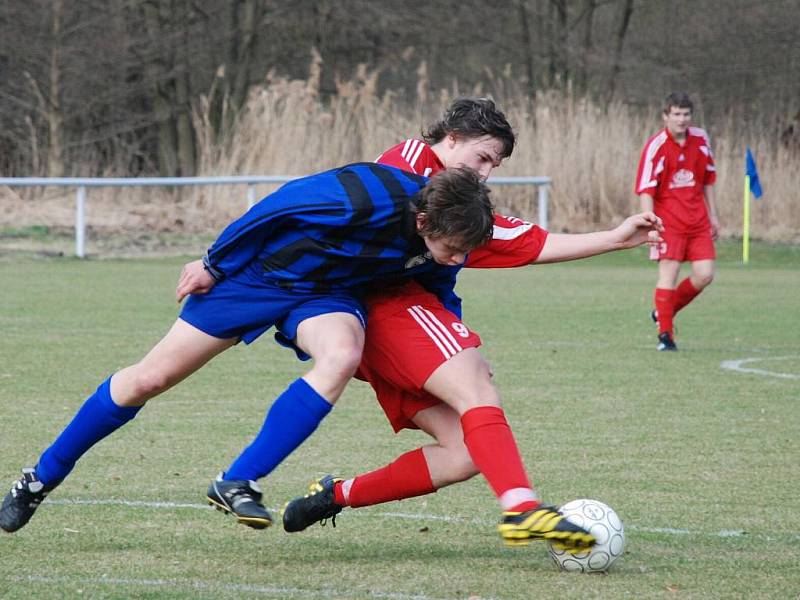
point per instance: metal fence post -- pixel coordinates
(251, 196)
(80, 222)
(543, 199)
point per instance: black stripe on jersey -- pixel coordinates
(385, 174)
(363, 209)
(222, 251)
(389, 180)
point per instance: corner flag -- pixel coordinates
(752, 172)
(751, 185)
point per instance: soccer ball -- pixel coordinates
(602, 522)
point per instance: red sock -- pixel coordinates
(684, 294)
(493, 449)
(406, 477)
(664, 299)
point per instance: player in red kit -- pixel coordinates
(676, 181)
(423, 363)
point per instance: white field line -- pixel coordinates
(738, 366)
(211, 586)
(366, 512)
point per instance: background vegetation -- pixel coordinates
(175, 87)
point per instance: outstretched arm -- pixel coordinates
(632, 232)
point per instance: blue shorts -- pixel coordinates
(237, 309)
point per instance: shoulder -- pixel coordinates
(413, 155)
(698, 132)
(654, 143)
(700, 137)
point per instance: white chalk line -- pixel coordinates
(197, 584)
(738, 366)
(366, 512)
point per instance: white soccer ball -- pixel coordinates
(602, 522)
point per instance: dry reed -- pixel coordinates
(285, 128)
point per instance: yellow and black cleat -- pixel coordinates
(544, 523)
(317, 506)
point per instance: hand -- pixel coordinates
(714, 227)
(638, 229)
(194, 280)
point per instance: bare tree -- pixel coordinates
(622, 30)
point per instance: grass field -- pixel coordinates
(699, 460)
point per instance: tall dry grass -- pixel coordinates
(285, 128)
(590, 152)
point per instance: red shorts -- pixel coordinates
(684, 246)
(409, 335)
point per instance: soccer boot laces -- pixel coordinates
(666, 343)
(22, 501)
(318, 505)
(544, 523)
(240, 498)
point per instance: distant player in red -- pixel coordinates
(676, 181)
(423, 361)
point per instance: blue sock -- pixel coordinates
(292, 418)
(96, 419)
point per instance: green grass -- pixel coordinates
(700, 461)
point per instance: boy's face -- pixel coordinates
(446, 251)
(677, 120)
(481, 154)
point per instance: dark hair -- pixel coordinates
(457, 205)
(473, 117)
(677, 100)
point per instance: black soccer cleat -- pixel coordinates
(544, 523)
(666, 343)
(316, 506)
(241, 499)
(22, 501)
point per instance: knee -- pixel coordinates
(703, 280)
(146, 384)
(463, 467)
(459, 464)
(483, 393)
(340, 363)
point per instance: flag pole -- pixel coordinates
(746, 222)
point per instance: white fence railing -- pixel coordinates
(542, 184)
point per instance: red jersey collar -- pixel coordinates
(674, 141)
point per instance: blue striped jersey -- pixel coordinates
(334, 230)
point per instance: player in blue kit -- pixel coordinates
(297, 261)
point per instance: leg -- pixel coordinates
(421, 471)
(179, 354)
(664, 297)
(464, 383)
(334, 341)
(701, 277)
(702, 273)
(448, 459)
(115, 402)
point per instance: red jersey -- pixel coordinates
(514, 242)
(412, 155)
(674, 175)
